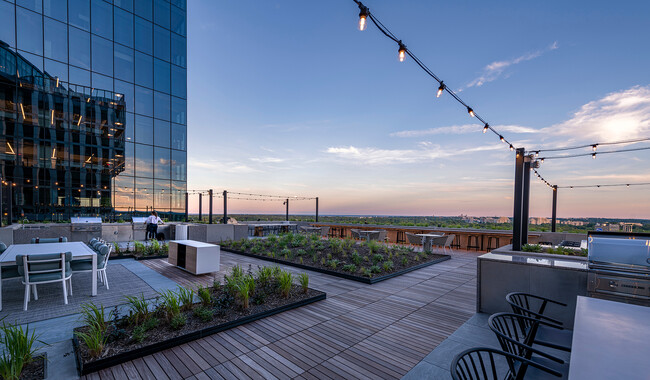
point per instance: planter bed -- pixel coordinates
(226, 308)
(138, 257)
(36, 369)
(315, 254)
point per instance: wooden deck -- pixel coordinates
(361, 331)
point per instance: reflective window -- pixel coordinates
(143, 101)
(34, 5)
(161, 76)
(178, 196)
(102, 61)
(182, 4)
(143, 194)
(161, 105)
(143, 8)
(79, 13)
(57, 9)
(102, 82)
(179, 110)
(143, 160)
(162, 164)
(8, 23)
(124, 4)
(56, 40)
(143, 129)
(161, 41)
(179, 136)
(127, 90)
(79, 48)
(162, 194)
(129, 127)
(124, 63)
(179, 50)
(179, 164)
(102, 18)
(161, 13)
(30, 31)
(129, 159)
(143, 69)
(123, 27)
(57, 69)
(79, 76)
(178, 21)
(179, 82)
(162, 133)
(143, 35)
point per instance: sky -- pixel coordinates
(288, 97)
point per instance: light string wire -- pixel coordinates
(443, 87)
(594, 154)
(251, 196)
(589, 186)
(593, 145)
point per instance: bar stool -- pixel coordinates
(456, 243)
(476, 244)
(492, 239)
(401, 237)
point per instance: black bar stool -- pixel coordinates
(475, 245)
(401, 237)
(456, 243)
(492, 239)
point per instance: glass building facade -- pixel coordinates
(93, 108)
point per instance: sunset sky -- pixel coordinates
(288, 97)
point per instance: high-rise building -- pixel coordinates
(93, 108)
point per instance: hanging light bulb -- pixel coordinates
(441, 89)
(628, 185)
(541, 159)
(485, 129)
(594, 147)
(512, 148)
(501, 138)
(402, 51)
(470, 111)
(593, 156)
(537, 154)
(363, 15)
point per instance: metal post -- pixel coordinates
(187, 200)
(10, 203)
(287, 203)
(210, 212)
(554, 214)
(526, 202)
(517, 216)
(1, 204)
(225, 207)
(200, 207)
(316, 209)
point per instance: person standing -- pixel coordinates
(152, 225)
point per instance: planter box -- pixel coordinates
(365, 280)
(124, 357)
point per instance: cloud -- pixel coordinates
(621, 115)
(377, 156)
(221, 166)
(461, 130)
(267, 160)
(494, 70)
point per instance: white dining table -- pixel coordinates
(78, 249)
(611, 340)
(427, 241)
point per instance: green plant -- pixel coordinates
(185, 298)
(405, 261)
(356, 259)
(285, 280)
(304, 281)
(388, 266)
(531, 248)
(154, 247)
(204, 295)
(139, 334)
(377, 258)
(300, 252)
(350, 268)
(264, 274)
(170, 304)
(243, 291)
(138, 309)
(178, 321)
(116, 249)
(375, 269)
(333, 263)
(95, 338)
(373, 246)
(204, 313)
(18, 351)
(138, 247)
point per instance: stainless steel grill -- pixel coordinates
(138, 222)
(619, 267)
(86, 224)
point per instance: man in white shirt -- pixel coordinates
(152, 223)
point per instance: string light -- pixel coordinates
(502, 139)
(402, 51)
(486, 127)
(470, 111)
(594, 147)
(512, 148)
(441, 89)
(363, 15)
(593, 156)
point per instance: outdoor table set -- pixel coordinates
(51, 262)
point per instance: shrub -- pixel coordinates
(300, 252)
(531, 248)
(154, 247)
(204, 313)
(286, 253)
(377, 258)
(285, 280)
(204, 295)
(18, 350)
(95, 338)
(356, 258)
(243, 290)
(375, 269)
(170, 304)
(304, 281)
(116, 249)
(333, 263)
(138, 309)
(139, 334)
(405, 260)
(350, 268)
(138, 247)
(185, 298)
(388, 266)
(178, 321)
(264, 275)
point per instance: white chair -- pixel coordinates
(383, 236)
(324, 231)
(43, 269)
(103, 254)
(414, 239)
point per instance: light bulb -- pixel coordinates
(501, 138)
(537, 154)
(628, 185)
(541, 159)
(512, 148)
(485, 129)
(441, 89)
(401, 52)
(594, 147)
(363, 15)
(470, 111)
(593, 156)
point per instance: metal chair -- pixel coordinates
(533, 306)
(103, 254)
(43, 269)
(383, 235)
(355, 233)
(37, 240)
(3, 247)
(448, 243)
(414, 239)
(516, 338)
(324, 231)
(482, 363)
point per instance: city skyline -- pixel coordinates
(310, 106)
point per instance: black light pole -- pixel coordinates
(210, 214)
(526, 201)
(225, 207)
(316, 209)
(200, 207)
(287, 203)
(554, 214)
(518, 196)
(1, 203)
(10, 202)
(187, 199)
